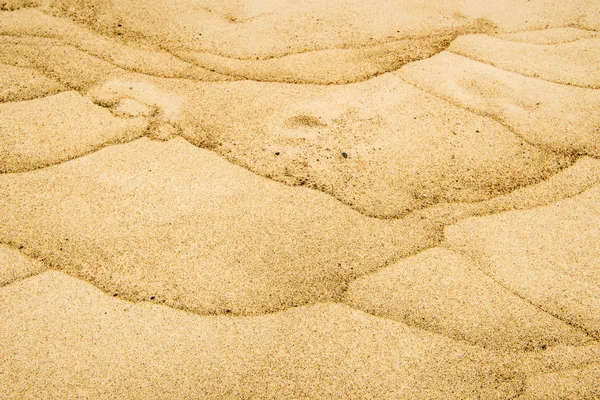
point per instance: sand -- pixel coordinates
(314, 200)
(561, 278)
(17, 266)
(581, 70)
(546, 114)
(25, 83)
(35, 133)
(445, 292)
(216, 238)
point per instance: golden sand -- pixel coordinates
(299, 199)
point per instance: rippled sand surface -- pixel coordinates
(285, 199)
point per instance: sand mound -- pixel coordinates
(49, 130)
(547, 255)
(573, 63)
(444, 292)
(381, 146)
(557, 116)
(216, 238)
(326, 351)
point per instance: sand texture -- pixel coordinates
(289, 199)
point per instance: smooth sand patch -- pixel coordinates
(105, 348)
(573, 63)
(171, 222)
(14, 265)
(246, 29)
(559, 117)
(45, 131)
(444, 292)
(517, 15)
(547, 255)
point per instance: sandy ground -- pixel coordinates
(299, 199)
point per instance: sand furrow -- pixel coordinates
(547, 255)
(546, 114)
(45, 131)
(324, 351)
(574, 63)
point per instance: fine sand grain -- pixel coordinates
(251, 199)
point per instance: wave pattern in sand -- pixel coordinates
(293, 199)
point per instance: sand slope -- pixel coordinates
(216, 238)
(445, 292)
(553, 255)
(578, 59)
(326, 351)
(546, 114)
(15, 266)
(130, 56)
(299, 199)
(381, 146)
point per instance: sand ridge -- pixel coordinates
(284, 199)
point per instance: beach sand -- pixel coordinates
(299, 200)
